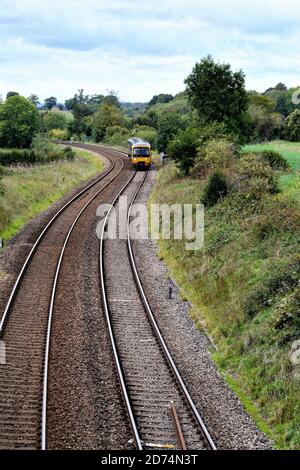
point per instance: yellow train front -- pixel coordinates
(139, 151)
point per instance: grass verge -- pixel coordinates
(31, 190)
(244, 284)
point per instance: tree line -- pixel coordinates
(215, 95)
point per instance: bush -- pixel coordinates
(183, 148)
(255, 176)
(69, 153)
(275, 159)
(16, 157)
(217, 187)
(58, 134)
(278, 279)
(217, 153)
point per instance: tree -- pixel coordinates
(190, 143)
(12, 93)
(107, 116)
(162, 98)
(34, 99)
(78, 98)
(218, 94)
(169, 124)
(55, 120)
(293, 126)
(112, 99)
(19, 121)
(183, 148)
(50, 102)
(262, 101)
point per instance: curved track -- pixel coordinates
(25, 325)
(161, 411)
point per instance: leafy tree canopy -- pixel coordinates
(217, 93)
(50, 102)
(19, 121)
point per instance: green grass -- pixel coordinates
(31, 190)
(240, 284)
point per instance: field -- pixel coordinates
(243, 286)
(31, 190)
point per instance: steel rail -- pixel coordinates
(37, 242)
(51, 309)
(125, 393)
(159, 336)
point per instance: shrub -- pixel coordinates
(58, 134)
(275, 159)
(217, 187)
(219, 153)
(255, 176)
(183, 148)
(69, 153)
(279, 278)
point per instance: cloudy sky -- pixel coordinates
(142, 47)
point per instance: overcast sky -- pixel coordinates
(142, 47)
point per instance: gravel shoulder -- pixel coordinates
(222, 411)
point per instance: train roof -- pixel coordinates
(136, 141)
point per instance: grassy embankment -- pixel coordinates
(32, 189)
(244, 292)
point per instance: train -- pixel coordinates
(139, 151)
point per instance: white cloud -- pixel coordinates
(142, 48)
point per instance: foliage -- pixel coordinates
(106, 116)
(169, 124)
(19, 122)
(55, 120)
(50, 102)
(218, 94)
(244, 285)
(58, 134)
(275, 159)
(293, 126)
(11, 93)
(183, 148)
(162, 98)
(34, 99)
(30, 190)
(264, 125)
(216, 188)
(255, 177)
(217, 153)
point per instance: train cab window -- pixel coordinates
(142, 151)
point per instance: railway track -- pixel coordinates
(25, 326)
(161, 411)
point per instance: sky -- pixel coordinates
(140, 48)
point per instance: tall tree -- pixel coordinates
(12, 93)
(217, 93)
(107, 116)
(34, 99)
(50, 102)
(55, 120)
(19, 121)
